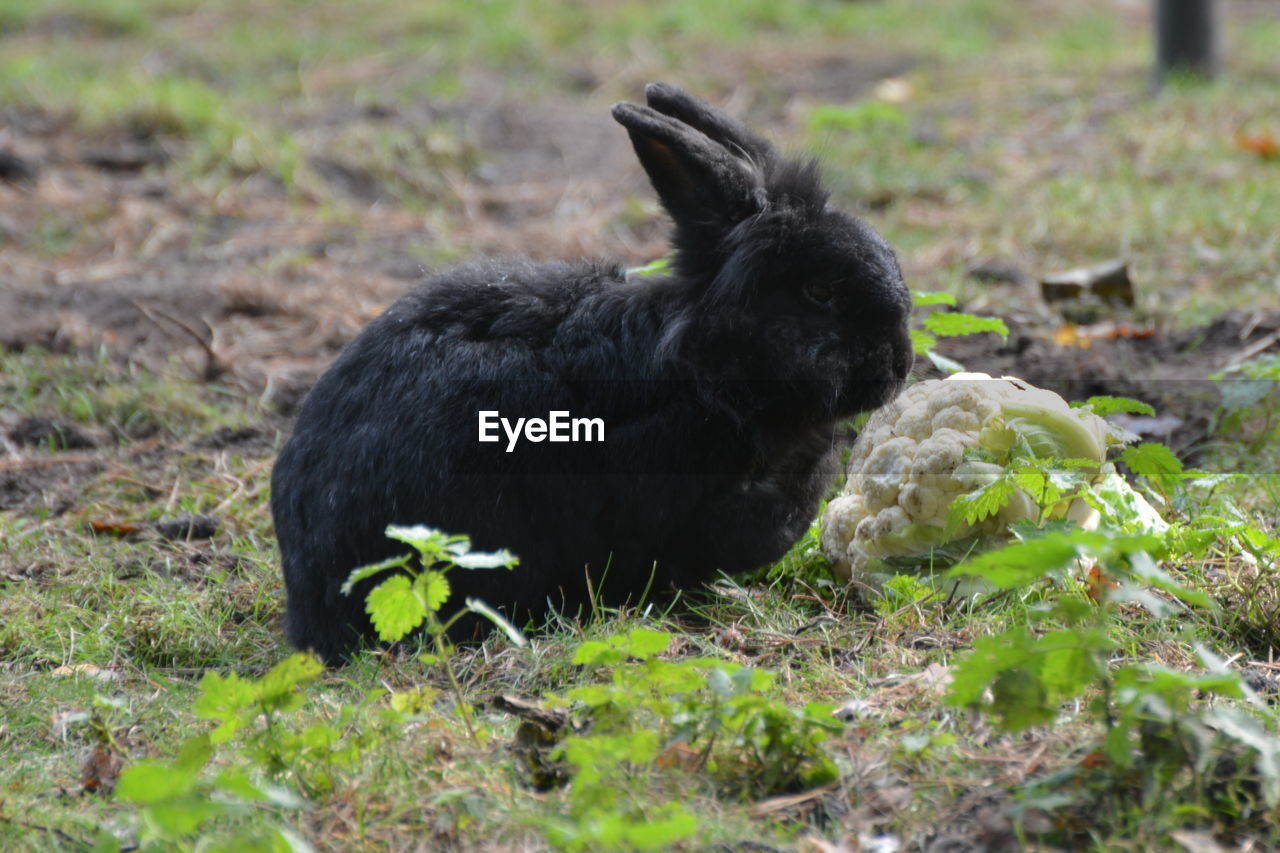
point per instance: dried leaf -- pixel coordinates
(1263, 143)
(1094, 760)
(87, 670)
(1068, 335)
(118, 529)
(1083, 337)
(680, 755)
(100, 770)
(1097, 585)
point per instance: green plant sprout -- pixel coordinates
(414, 595)
(948, 324)
(703, 715)
(1152, 717)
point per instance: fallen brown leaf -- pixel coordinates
(1263, 143)
(100, 770)
(118, 529)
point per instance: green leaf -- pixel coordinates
(990, 656)
(1037, 482)
(925, 298)
(193, 755)
(486, 560)
(285, 840)
(418, 535)
(1156, 462)
(1010, 666)
(1247, 731)
(280, 689)
(394, 608)
(432, 588)
(596, 653)
(921, 341)
(591, 695)
(973, 507)
(662, 266)
(1146, 569)
(1069, 660)
(1118, 746)
(660, 833)
(183, 816)
(640, 746)
(643, 643)
(226, 699)
(149, 781)
(1103, 405)
(948, 324)
(1021, 700)
(1240, 394)
(1023, 562)
(1196, 543)
(105, 842)
(457, 544)
(946, 365)
(475, 605)
(372, 569)
(237, 783)
(719, 682)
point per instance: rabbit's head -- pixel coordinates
(782, 290)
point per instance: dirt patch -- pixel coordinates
(113, 248)
(54, 433)
(48, 485)
(1168, 369)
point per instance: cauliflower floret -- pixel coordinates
(941, 453)
(908, 464)
(921, 502)
(883, 473)
(954, 417)
(914, 422)
(872, 529)
(843, 513)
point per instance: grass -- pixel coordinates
(1028, 134)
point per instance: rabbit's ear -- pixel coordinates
(698, 180)
(718, 125)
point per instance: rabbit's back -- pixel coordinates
(390, 434)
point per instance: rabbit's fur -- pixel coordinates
(720, 384)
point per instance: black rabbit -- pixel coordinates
(719, 382)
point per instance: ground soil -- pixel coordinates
(1167, 368)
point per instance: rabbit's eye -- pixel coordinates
(819, 293)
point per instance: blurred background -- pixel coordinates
(270, 173)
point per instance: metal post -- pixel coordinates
(1186, 38)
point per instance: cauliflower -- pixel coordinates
(909, 463)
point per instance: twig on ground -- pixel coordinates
(1256, 348)
(213, 365)
(42, 461)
